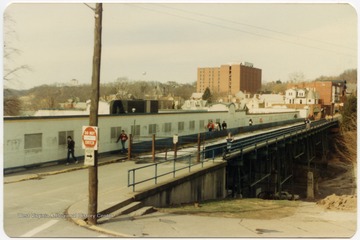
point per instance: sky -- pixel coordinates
(157, 41)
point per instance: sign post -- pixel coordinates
(90, 137)
(89, 159)
(90, 144)
(175, 141)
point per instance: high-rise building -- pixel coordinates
(229, 79)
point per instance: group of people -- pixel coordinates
(216, 126)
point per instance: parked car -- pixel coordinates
(283, 195)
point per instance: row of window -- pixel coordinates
(34, 140)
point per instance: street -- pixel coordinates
(35, 208)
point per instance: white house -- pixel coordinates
(301, 96)
(290, 96)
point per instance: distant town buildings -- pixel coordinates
(311, 99)
(331, 94)
(229, 79)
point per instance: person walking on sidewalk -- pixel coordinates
(71, 151)
(123, 137)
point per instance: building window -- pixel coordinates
(152, 129)
(192, 125)
(63, 136)
(115, 132)
(135, 130)
(33, 141)
(167, 127)
(181, 126)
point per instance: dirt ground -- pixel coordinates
(336, 191)
(338, 188)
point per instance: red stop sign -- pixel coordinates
(89, 137)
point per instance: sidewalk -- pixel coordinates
(52, 169)
(311, 221)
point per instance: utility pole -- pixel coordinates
(93, 118)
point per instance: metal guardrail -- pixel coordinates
(218, 149)
(277, 135)
(180, 163)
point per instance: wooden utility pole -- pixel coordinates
(93, 118)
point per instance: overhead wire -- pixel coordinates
(240, 30)
(257, 27)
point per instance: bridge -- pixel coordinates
(268, 160)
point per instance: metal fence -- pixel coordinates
(170, 166)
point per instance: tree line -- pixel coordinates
(50, 96)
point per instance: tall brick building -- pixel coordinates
(229, 79)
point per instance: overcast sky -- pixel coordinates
(169, 42)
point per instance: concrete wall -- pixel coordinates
(205, 184)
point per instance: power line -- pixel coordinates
(257, 27)
(240, 30)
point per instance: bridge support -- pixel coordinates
(310, 186)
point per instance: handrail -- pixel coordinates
(132, 172)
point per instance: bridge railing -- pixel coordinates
(171, 166)
(251, 142)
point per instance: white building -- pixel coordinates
(301, 96)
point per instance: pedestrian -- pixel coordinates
(218, 126)
(307, 123)
(224, 125)
(210, 126)
(123, 137)
(229, 141)
(250, 122)
(71, 151)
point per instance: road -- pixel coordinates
(35, 208)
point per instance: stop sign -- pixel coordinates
(90, 137)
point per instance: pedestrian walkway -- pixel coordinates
(56, 168)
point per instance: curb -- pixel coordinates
(82, 223)
(38, 176)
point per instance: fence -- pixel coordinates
(169, 166)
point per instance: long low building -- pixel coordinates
(36, 140)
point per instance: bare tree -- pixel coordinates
(296, 77)
(12, 104)
(10, 51)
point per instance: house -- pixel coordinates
(301, 96)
